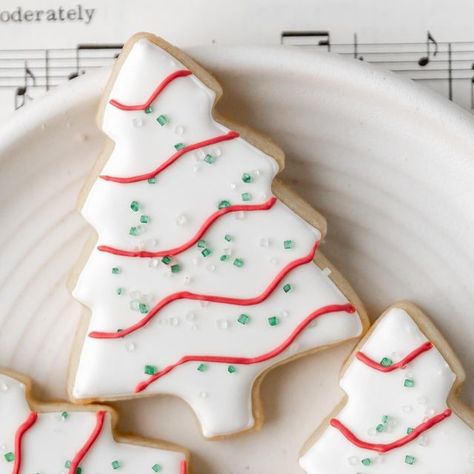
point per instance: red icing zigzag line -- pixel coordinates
(142, 177)
(249, 360)
(209, 221)
(383, 448)
(184, 467)
(22, 429)
(167, 80)
(213, 298)
(82, 453)
(399, 365)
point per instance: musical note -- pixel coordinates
(424, 60)
(356, 44)
(306, 38)
(91, 47)
(21, 93)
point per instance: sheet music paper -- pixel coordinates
(46, 42)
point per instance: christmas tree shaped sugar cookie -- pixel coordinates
(205, 272)
(61, 438)
(401, 413)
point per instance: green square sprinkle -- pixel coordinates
(119, 291)
(274, 320)
(223, 204)
(175, 268)
(366, 461)
(409, 430)
(79, 470)
(143, 308)
(156, 468)
(244, 319)
(166, 259)
(151, 180)
(9, 457)
(144, 219)
(116, 270)
(247, 178)
(179, 146)
(116, 464)
(386, 362)
(149, 109)
(410, 459)
(202, 367)
(64, 415)
(150, 369)
(288, 244)
(134, 206)
(246, 197)
(67, 464)
(224, 258)
(162, 120)
(238, 262)
(385, 419)
(228, 237)
(287, 288)
(206, 252)
(210, 159)
(380, 427)
(201, 244)
(231, 369)
(409, 383)
(134, 231)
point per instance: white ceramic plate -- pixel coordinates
(390, 165)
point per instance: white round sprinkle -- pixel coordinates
(274, 261)
(353, 460)
(179, 130)
(203, 394)
(423, 440)
(138, 122)
(211, 267)
(407, 409)
(187, 279)
(265, 242)
(130, 347)
(422, 400)
(217, 152)
(195, 261)
(196, 168)
(223, 324)
(284, 313)
(3, 386)
(135, 295)
(174, 321)
(233, 186)
(240, 215)
(190, 316)
(181, 219)
(256, 172)
(153, 263)
(227, 251)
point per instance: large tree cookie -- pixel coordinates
(401, 413)
(61, 438)
(202, 275)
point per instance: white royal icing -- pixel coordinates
(183, 197)
(371, 395)
(56, 437)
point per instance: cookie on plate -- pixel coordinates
(62, 438)
(204, 272)
(401, 413)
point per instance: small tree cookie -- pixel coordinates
(202, 278)
(401, 413)
(62, 438)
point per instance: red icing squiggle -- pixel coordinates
(82, 453)
(184, 467)
(348, 308)
(209, 221)
(167, 80)
(195, 146)
(399, 365)
(213, 298)
(383, 448)
(22, 429)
